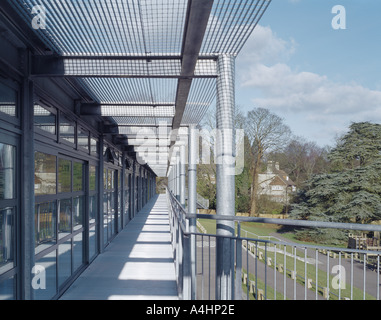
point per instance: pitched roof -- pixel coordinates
(281, 177)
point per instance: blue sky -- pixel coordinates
(315, 77)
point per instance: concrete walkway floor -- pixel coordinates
(137, 265)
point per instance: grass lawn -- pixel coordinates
(261, 286)
(251, 229)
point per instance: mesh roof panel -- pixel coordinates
(131, 51)
(139, 27)
(110, 27)
(127, 90)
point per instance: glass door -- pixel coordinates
(8, 214)
(110, 204)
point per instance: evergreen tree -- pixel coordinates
(351, 192)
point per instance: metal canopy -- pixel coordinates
(145, 63)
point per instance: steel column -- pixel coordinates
(100, 213)
(27, 190)
(182, 175)
(173, 179)
(177, 178)
(122, 194)
(225, 175)
(133, 190)
(192, 201)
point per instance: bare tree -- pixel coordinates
(302, 159)
(267, 133)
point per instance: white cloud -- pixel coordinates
(285, 89)
(322, 104)
(264, 46)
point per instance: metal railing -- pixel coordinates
(264, 269)
(204, 203)
(201, 201)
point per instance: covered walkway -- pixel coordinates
(138, 264)
(97, 100)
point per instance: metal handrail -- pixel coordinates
(289, 222)
(237, 241)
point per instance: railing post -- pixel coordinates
(177, 177)
(180, 257)
(186, 264)
(238, 266)
(178, 261)
(170, 183)
(185, 240)
(192, 201)
(182, 175)
(225, 174)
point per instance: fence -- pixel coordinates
(264, 269)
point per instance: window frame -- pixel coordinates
(15, 120)
(14, 203)
(52, 110)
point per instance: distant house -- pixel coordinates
(275, 183)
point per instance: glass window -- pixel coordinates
(127, 181)
(64, 218)
(93, 208)
(6, 238)
(78, 176)
(64, 175)
(48, 262)
(7, 289)
(77, 251)
(67, 129)
(105, 178)
(7, 171)
(45, 224)
(8, 99)
(92, 242)
(105, 217)
(44, 119)
(45, 174)
(64, 261)
(126, 185)
(93, 177)
(111, 201)
(83, 139)
(78, 212)
(110, 179)
(94, 146)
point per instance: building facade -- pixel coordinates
(276, 184)
(67, 188)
